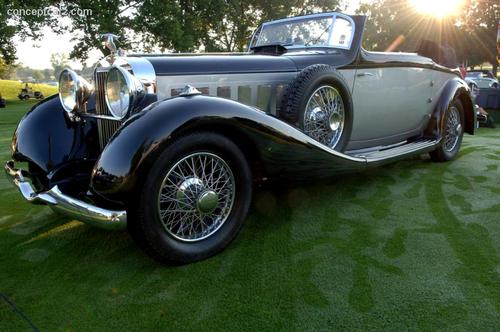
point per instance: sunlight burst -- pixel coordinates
(438, 8)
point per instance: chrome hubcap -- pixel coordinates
(334, 121)
(196, 197)
(453, 130)
(324, 116)
(207, 201)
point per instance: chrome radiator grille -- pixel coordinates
(106, 127)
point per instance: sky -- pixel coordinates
(36, 54)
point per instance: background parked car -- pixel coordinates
(481, 79)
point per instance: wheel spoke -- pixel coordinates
(180, 194)
(452, 134)
(324, 116)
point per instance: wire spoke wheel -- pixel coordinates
(324, 116)
(453, 129)
(196, 196)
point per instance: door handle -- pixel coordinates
(364, 74)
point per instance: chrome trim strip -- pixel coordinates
(376, 158)
(64, 204)
(142, 69)
(102, 117)
(135, 88)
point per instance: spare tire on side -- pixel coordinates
(319, 102)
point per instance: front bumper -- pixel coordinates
(64, 204)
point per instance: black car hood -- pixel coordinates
(219, 64)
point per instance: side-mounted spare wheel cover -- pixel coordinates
(319, 102)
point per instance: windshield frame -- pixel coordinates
(333, 15)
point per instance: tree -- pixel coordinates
(7, 70)
(177, 25)
(38, 75)
(472, 31)
(59, 61)
(17, 19)
(48, 73)
(396, 25)
(481, 21)
(98, 17)
(217, 25)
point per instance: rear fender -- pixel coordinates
(454, 88)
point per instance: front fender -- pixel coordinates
(454, 88)
(47, 139)
(282, 148)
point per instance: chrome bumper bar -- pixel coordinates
(64, 204)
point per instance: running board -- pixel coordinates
(399, 152)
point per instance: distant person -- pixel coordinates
(444, 54)
(449, 56)
(463, 71)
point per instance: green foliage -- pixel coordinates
(385, 23)
(481, 21)
(396, 23)
(146, 25)
(24, 73)
(15, 22)
(181, 25)
(474, 37)
(7, 70)
(58, 61)
(38, 75)
(111, 16)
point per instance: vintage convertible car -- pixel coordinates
(171, 146)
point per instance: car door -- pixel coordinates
(390, 105)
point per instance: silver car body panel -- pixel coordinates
(391, 104)
(262, 90)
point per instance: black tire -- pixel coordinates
(299, 91)
(442, 153)
(472, 85)
(145, 224)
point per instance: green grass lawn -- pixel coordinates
(410, 246)
(10, 89)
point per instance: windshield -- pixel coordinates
(474, 74)
(308, 31)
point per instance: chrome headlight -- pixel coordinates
(123, 91)
(74, 91)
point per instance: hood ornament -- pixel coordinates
(189, 90)
(108, 40)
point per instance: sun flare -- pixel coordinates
(438, 8)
